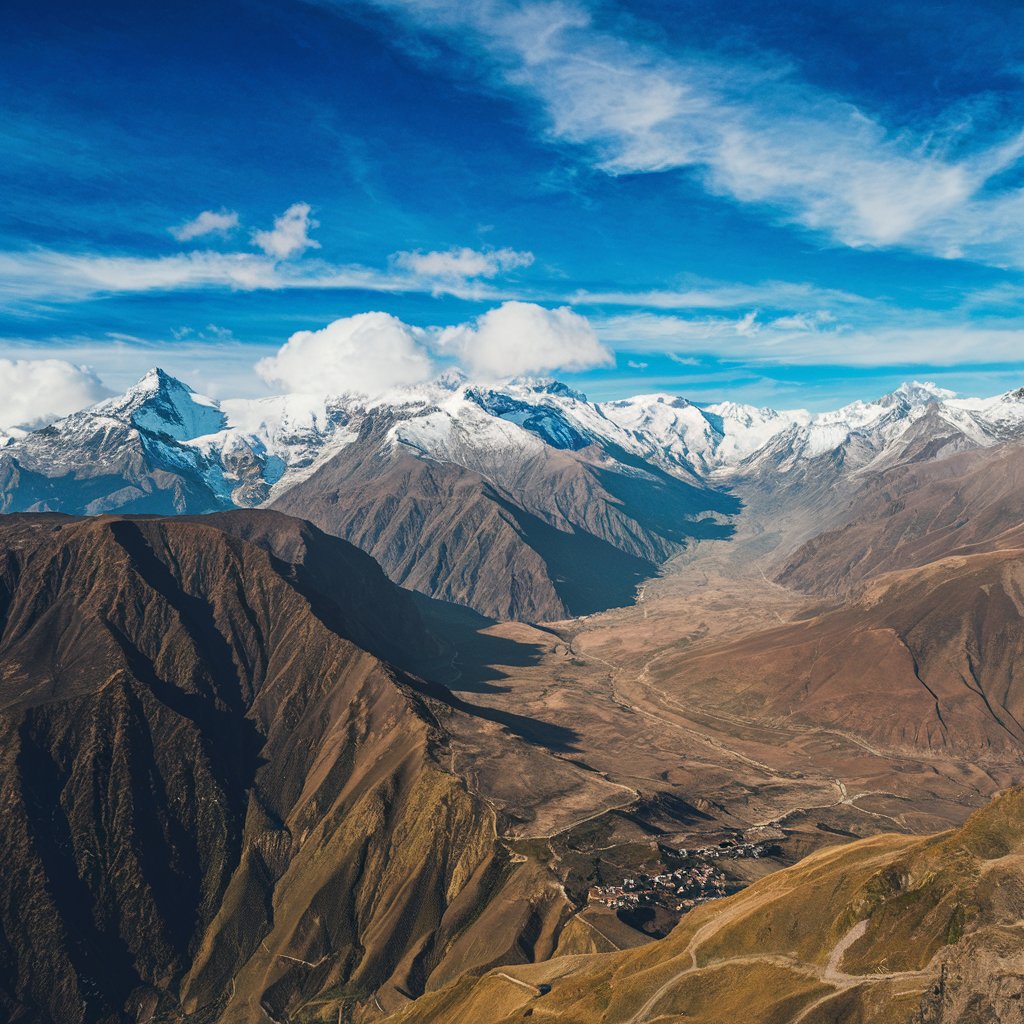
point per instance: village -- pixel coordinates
(697, 880)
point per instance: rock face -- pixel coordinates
(218, 801)
(888, 929)
(125, 454)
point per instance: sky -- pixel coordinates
(789, 205)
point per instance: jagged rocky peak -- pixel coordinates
(163, 404)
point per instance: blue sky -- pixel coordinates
(789, 207)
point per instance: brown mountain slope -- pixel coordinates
(912, 514)
(923, 660)
(215, 803)
(887, 930)
(538, 536)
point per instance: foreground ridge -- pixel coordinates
(923, 930)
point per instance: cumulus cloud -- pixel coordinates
(367, 353)
(290, 234)
(209, 222)
(372, 352)
(523, 338)
(462, 264)
(34, 392)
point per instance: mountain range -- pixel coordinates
(220, 801)
(375, 710)
(523, 500)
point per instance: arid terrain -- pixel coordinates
(249, 777)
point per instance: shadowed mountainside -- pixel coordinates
(215, 803)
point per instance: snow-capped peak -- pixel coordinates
(162, 404)
(915, 393)
(544, 386)
(249, 450)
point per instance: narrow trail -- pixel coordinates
(701, 935)
(532, 989)
(831, 974)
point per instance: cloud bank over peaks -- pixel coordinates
(290, 234)
(369, 353)
(366, 353)
(35, 392)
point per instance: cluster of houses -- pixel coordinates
(728, 849)
(696, 882)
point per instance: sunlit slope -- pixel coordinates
(888, 929)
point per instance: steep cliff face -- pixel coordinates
(215, 803)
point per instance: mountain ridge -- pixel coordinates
(521, 500)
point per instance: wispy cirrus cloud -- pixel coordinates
(913, 337)
(46, 276)
(754, 133)
(724, 295)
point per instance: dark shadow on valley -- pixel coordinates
(557, 738)
(589, 574)
(471, 658)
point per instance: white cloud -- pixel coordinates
(367, 353)
(209, 222)
(213, 367)
(635, 364)
(34, 392)
(522, 338)
(461, 264)
(723, 295)
(372, 352)
(753, 132)
(290, 235)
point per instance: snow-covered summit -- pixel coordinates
(163, 404)
(248, 451)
